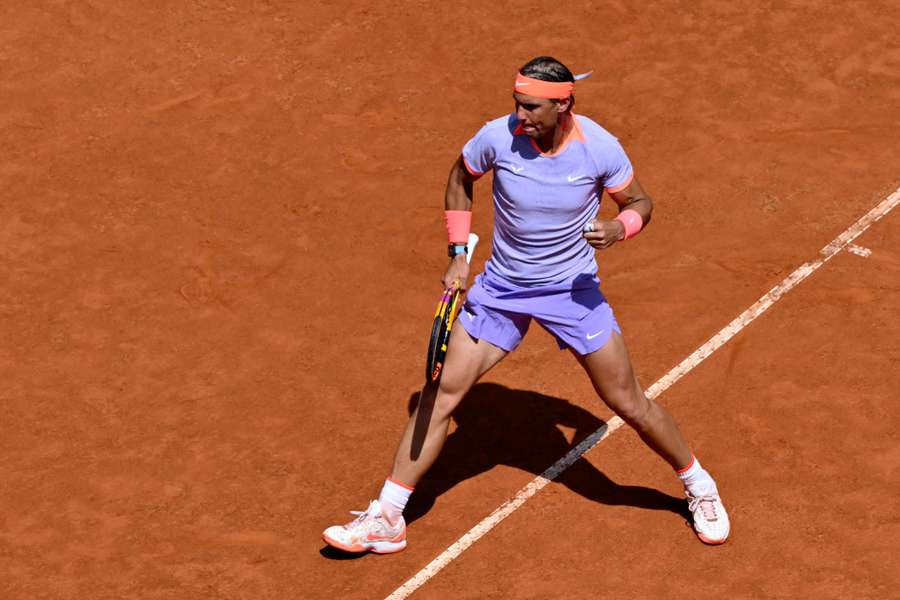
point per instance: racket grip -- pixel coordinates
(470, 247)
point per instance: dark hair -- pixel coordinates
(546, 68)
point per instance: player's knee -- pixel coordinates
(634, 408)
(450, 393)
(445, 404)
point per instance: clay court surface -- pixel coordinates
(222, 238)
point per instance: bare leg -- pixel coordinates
(467, 361)
(610, 371)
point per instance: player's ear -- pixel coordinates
(564, 105)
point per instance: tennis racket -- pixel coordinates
(444, 317)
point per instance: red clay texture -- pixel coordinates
(222, 240)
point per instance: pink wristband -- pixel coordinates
(459, 224)
(632, 221)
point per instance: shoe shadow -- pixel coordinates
(497, 425)
(335, 554)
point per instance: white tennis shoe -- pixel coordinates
(710, 518)
(370, 530)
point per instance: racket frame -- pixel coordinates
(444, 316)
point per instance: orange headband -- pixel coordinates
(557, 90)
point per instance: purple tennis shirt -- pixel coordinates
(542, 201)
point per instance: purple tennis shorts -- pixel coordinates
(575, 312)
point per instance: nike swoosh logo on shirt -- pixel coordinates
(591, 336)
(572, 178)
(517, 169)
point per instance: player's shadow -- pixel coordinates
(518, 428)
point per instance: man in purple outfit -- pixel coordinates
(551, 168)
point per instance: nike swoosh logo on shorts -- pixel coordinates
(591, 336)
(516, 169)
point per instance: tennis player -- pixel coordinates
(550, 169)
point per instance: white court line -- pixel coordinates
(699, 355)
(859, 250)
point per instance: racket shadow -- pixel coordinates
(425, 401)
(497, 425)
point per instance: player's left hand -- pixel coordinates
(603, 234)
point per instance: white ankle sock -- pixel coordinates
(393, 499)
(696, 480)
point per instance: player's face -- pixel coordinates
(538, 116)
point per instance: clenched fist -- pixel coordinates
(603, 234)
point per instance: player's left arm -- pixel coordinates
(632, 197)
(635, 198)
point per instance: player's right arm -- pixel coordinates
(459, 196)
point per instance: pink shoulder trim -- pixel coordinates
(471, 171)
(621, 187)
